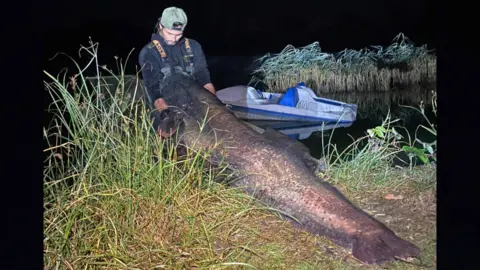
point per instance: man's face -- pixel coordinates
(171, 36)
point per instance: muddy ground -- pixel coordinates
(408, 209)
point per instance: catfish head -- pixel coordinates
(181, 104)
(165, 122)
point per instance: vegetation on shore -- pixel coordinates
(118, 196)
(401, 65)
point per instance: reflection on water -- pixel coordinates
(311, 134)
(375, 105)
(373, 108)
(298, 130)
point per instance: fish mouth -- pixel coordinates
(166, 122)
(167, 134)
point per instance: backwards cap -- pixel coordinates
(174, 18)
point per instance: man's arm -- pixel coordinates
(151, 78)
(202, 74)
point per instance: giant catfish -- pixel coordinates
(279, 173)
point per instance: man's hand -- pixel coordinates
(163, 119)
(210, 87)
(160, 104)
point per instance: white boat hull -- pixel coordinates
(301, 104)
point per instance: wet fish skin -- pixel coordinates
(281, 178)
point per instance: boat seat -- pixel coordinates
(255, 96)
(290, 98)
(254, 93)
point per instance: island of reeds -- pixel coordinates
(401, 65)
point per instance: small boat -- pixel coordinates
(298, 103)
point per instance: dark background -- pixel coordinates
(237, 31)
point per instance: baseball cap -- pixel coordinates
(174, 18)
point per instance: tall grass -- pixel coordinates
(400, 65)
(109, 204)
(371, 159)
(365, 156)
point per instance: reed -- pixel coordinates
(401, 65)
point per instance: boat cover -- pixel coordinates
(290, 98)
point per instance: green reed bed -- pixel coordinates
(400, 65)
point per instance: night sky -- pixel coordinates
(236, 28)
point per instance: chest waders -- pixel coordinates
(168, 70)
(167, 65)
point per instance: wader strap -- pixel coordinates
(189, 57)
(163, 54)
(187, 46)
(160, 49)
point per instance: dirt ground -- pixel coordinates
(409, 212)
(412, 217)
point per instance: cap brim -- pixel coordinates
(176, 28)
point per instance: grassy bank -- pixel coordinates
(401, 65)
(110, 204)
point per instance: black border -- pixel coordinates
(22, 99)
(457, 86)
(22, 111)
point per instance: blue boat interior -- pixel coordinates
(290, 98)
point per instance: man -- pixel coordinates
(169, 53)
